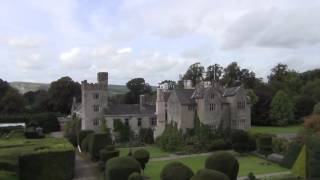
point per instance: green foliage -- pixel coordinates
(120, 168)
(280, 145)
(171, 139)
(107, 153)
(299, 168)
(312, 89)
(142, 156)
(137, 87)
(282, 109)
(176, 171)
(135, 176)
(194, 73)
(291, 156)
(125, 132)
(314, 160)
(71, 130)
(223, 162)
(214, 73)
(12, 102)
(265, 144)
(240, 141)
(253, 97)
(61, 93)
(303, 106)
(50, 165)
(316, 109)
(209, 174)
(85, 142)
(7, 175)
(83, 134)
(98, 142)
(146, 135)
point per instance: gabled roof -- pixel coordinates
(123, 109)
(185, 96)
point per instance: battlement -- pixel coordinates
(85, 86)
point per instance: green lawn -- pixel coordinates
(276, 130)
(247, 164)
(155, 152)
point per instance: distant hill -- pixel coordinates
(24, 87)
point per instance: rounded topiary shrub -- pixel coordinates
(120, 168)
(142, 156)
(223, 162)
(209, 174)
(105, 155)
(265, 144)
(176, 171)
(135, 176)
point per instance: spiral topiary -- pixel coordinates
(176, 171)
(120, 168)
(135, 176)
(209, 174)
(142, 156)
(223, 162)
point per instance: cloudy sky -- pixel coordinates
(42, 40)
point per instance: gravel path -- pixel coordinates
(174, 156)
(85, 169)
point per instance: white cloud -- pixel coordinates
(124, 50)
(31, 62)
(24, 42)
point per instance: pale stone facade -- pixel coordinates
(212, 104)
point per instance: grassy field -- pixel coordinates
(276, 130)
(154, 151)
(247, 164)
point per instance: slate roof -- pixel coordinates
(184, 96)
(123, 109)
(231, 91)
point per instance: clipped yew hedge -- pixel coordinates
(142, 156)
(209, 174)
(48, 165)
(223, 162)
(176, 171)
(135, 176)
(82, 134)
(120, 168)
(291, 156)
(97, 142)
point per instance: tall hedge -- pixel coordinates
(135, 176)
(82, 134)
(223, 162)
(120, 168)
(85, 142)
(314, 159)
(98, 142)
(176, 171)
(48, 165)
(209, 174)
(291, 156)
(265, 144)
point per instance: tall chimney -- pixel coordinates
(142, 102)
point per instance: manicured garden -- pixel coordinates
(46, 158)
(276, 129)
(154, 151)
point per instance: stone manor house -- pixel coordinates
(213, 104)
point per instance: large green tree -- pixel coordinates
(214, 72)
(312, 89)
(12, 102)
(61, 93)
(4, 86)
(194, 73)
(282, 109)
(137, 86)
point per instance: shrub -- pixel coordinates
(120, 168)
(82, 134)
(316, 109)
(71, 130)
(48, 165)
(142, 156)
(218, 144)
(98, 142)
(8, 175)
(265, 144)
(85, 142)
(312, 124)
(240, 141)
(176, 171)
(291, 156)
(170, 140)
(314, 160)
(280, 145)
(223, 162)
(135, 176)
(209, 174)
(31, 133)
(146, 135)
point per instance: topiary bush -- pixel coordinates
(240, 141)
(265, 144)
(291, 156)
(135, 176)
(120, 168)
(176, 171)
(82, 134)
(314, 159)
(223, 162)
(209, 174)
(97, 142)
(142, 156)
(85, 142)
(106, 154)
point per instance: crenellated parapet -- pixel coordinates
(85, 86)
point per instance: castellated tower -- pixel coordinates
(161, 109)
(94, 101)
